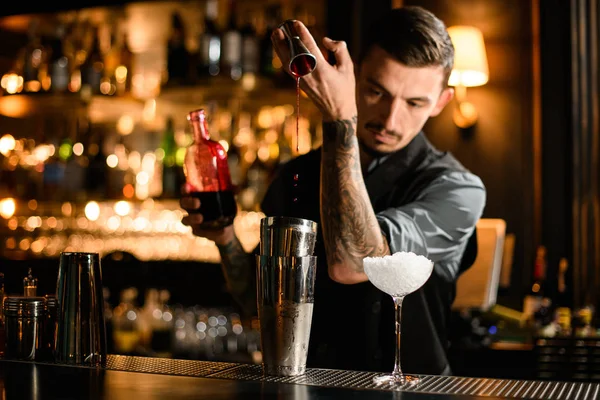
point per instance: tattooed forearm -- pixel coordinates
(240, 274)
(350, 229)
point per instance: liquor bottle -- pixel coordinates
(125, 323)
(162, 327)
(92, 69)
(232, 46)
(170, 186)
(124, 71)
(97, 172)
(110, 51)
(177, 54)
(561, 298)
(250, 49)
(533, 299)
(207, 175)
(59, 64)
(267, 55)
(209, 54)
(34, 59)
(561, 310)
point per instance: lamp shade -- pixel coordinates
(470, 59)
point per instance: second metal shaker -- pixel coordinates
(25, 323)
(81, 328)
(286, 271)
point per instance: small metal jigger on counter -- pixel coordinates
(286, 272)
(302, 61)
(80, 325)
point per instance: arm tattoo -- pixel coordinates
(351, 231)
(240, 274)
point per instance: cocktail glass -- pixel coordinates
(398, 275)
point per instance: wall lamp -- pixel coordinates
(470, 69)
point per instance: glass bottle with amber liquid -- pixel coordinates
(207, 175)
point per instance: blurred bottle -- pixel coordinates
(76, 48)
(267, 55)
(561, 297)
(563, 320)
(33, 59)
(178, 57)
(126, 331)
(232, 46)
(250, 48)
(110, 51)
(209, 53)
(92, 69)
(60, 64)
(207, 175)
(533, 299)
(124, 71)
(96, 174)
(170, 171)
(161, 340)
(146, 317)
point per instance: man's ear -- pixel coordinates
(445, 97)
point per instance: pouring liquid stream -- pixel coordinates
(299, 67)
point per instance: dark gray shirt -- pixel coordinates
(425, 202)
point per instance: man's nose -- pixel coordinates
(392, 115)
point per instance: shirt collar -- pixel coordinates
(405, 158)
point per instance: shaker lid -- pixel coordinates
(24, 306)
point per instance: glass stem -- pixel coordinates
(398, 308)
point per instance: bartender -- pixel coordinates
(375, 186)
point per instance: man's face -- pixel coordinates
(394, 101)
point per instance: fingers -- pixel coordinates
(340, 51)
(281, 47)
(308, 40)
(192, 220)
(189, 203)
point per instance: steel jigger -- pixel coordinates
(302, 61)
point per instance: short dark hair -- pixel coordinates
(412, 35)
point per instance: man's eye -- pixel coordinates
(414, 104)
(375, 92)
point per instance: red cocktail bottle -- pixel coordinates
(207, 175)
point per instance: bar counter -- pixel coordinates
(137, 378)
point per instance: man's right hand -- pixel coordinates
(194, 219)
(330, 87)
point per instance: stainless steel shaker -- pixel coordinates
(25, 323)
(80, 327)
(287, 236)
(286, 272)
